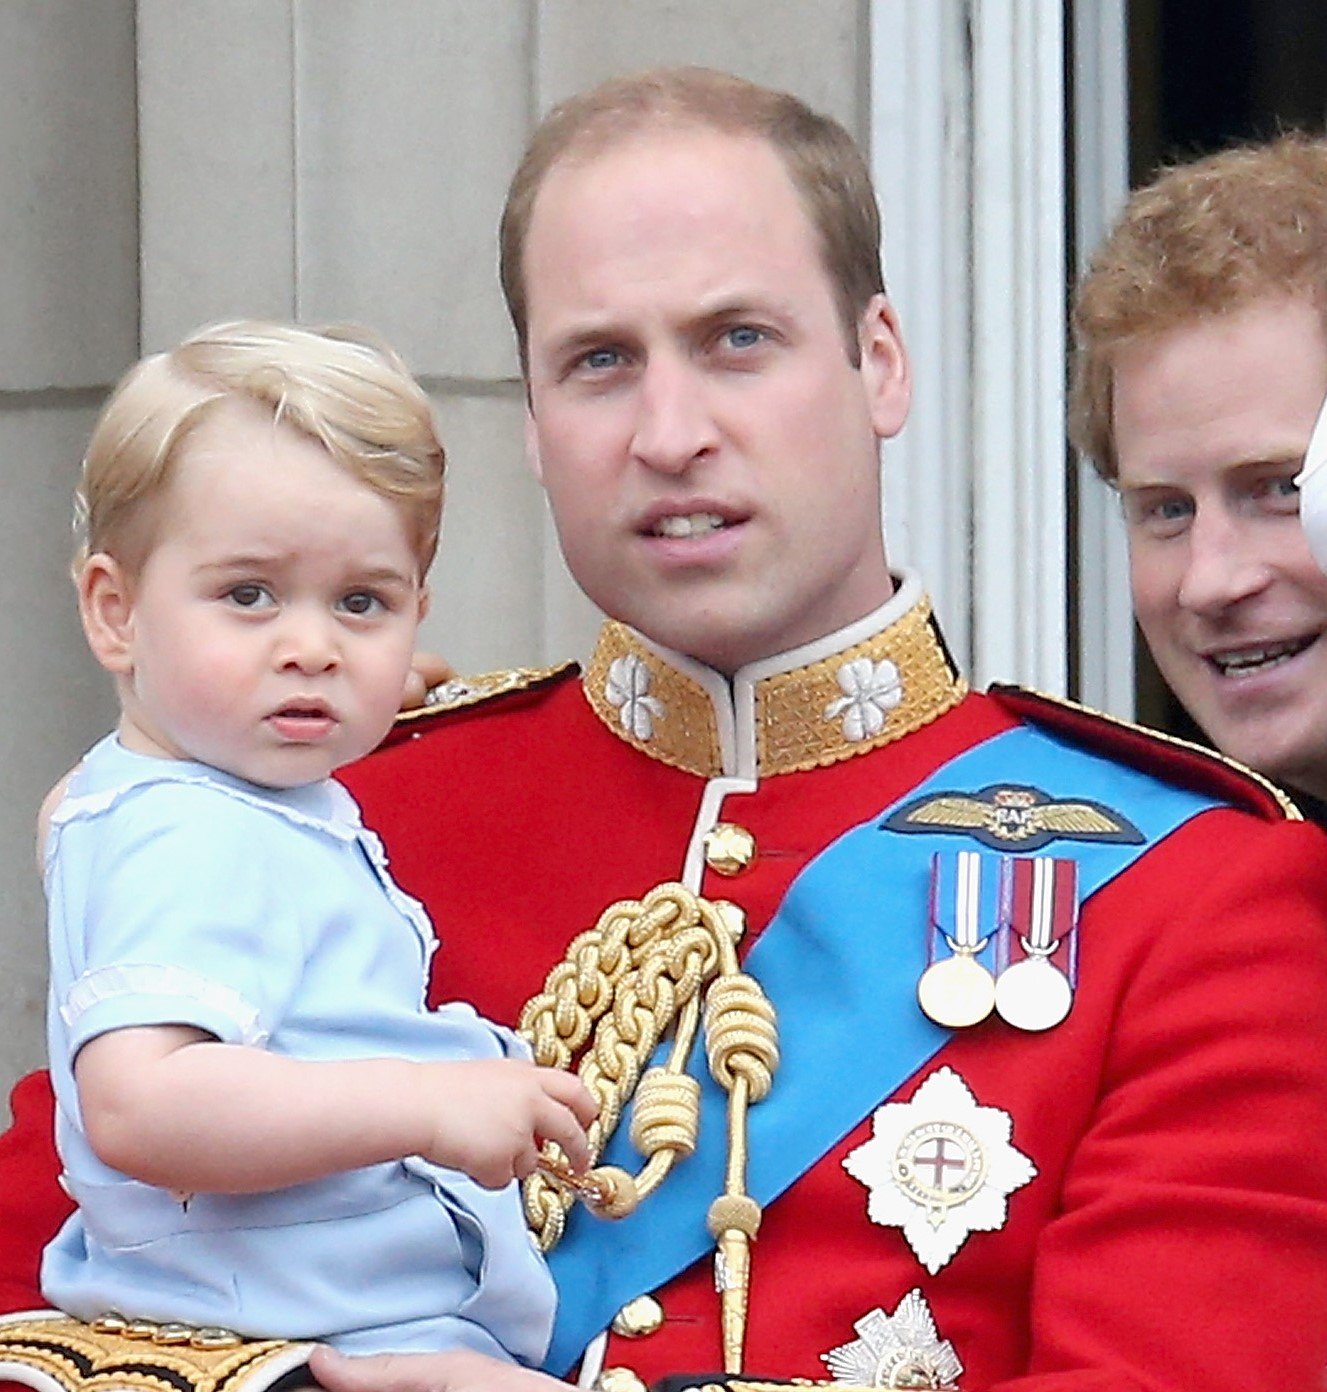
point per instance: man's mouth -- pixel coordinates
(691, 524)
(1245, 662)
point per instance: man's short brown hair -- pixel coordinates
(1202, 239)
(825, 166)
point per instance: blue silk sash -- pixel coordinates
(840, 962)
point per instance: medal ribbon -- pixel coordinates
(840, 957)
(1039, 908)
(962, 916)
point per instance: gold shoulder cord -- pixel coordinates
(645, 965)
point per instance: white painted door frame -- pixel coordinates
(968, 111)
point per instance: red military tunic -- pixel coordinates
(1175, 1234)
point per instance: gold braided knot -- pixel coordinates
(666, 1113)
(741, 1040)
(621, 986)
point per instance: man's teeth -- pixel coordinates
(694, 524)
(1234, 664)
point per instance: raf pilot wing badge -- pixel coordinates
(1012, 817)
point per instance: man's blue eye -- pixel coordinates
(1172, 508)
(744, 336)
(1163, 515)
(1278, 494)
(600, 358)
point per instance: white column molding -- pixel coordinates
(1020, 538)
(967, 129)
(920, 159)
(1101, 180)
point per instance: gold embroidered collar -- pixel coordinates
(866, 686)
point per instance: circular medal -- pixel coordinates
(1033, 994)
(956, 991)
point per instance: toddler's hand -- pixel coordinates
(489, 1117)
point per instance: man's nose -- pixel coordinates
(674, 423)
(307, 642)
(1226, 562)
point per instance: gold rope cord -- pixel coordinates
(642, 969)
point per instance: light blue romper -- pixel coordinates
(181, 895)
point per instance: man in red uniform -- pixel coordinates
(1048, 1104)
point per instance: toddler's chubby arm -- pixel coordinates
(173, 1107)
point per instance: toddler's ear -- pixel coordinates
(105, 605)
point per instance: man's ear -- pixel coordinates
(532, 459)
(106, 607)
(886, 372)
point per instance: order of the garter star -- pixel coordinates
(939, 1166)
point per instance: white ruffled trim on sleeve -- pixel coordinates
(153, 979)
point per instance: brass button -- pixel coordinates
(732, 916)
(638, 1317)
(729, 848)
(619, 1380)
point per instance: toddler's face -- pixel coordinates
(271, 626)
